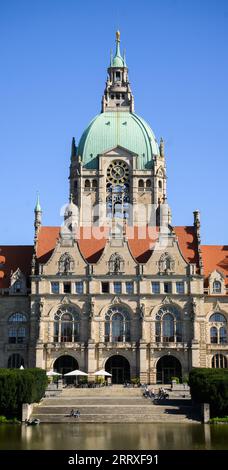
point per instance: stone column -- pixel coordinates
(205, 412)
(143, 362)
(195, 354)
(40, 356)
(92, 365)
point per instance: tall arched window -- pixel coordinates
(168, 325)
(117, 190)
(117, 325)
(141, 185)
(168, 328)
(15, 361)
(87, 185)
(217, 287)
(66, 325)
(218, 330)
(219, 361)
(214, 335)
(223, 335)
(17, 328)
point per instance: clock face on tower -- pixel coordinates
(118, 172)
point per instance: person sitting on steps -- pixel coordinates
(77, 414)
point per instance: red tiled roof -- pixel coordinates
(188, 243)
(47, 238)
(141, 241)
(215, 257)
(11, 258)
(92, 242)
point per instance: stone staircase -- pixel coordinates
(113, 405)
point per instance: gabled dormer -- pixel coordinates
(216, 281)
(18, 283)
(65, 261)
(167, 258)
(116, 260)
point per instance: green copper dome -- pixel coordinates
(110, 129)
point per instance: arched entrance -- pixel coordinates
(167, 367)
(119, 367)
(65, 364)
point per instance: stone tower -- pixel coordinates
(118, 166)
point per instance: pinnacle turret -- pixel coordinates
(37, 206)
(37, 220)
(117, 95)
(73, 149)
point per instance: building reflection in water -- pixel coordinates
(84, 436)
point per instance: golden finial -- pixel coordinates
(118, 36)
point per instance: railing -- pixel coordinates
(171, 345)
(116, 339)
(217, 346)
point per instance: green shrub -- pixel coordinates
(210, 386)
(135, 380)
(4, 420)
(100, 379)
(219, 420)
(177, 380)
(21, 386)
(185, 379)
(83, 380)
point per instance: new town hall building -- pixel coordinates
(117, 287)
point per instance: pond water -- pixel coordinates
(82, 436)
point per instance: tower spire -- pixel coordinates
(37, 220)
(117, 95)
(161, 147)
(118, 54)
(38, 207)
(73, 149)
(118, 60)
(124, 58)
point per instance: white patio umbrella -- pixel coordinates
(103, 373)
(21, 368)
(51, 373)
(75, 372)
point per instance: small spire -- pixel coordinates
(37, 219)
(71, 198)
(117, 60)
(73, 148)
(196, 214)
(124, 58)
(162, 147)
(38, 207)
(111, 58)
(118, 54)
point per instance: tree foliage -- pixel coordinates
(210, 386)
(21, 386)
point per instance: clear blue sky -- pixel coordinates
(54, 55)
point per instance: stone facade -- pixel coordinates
(107, 290)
